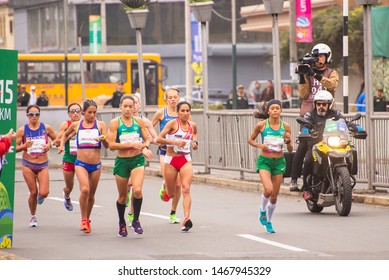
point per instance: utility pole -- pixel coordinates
(65, 21)
(103, 27)
(234, 72)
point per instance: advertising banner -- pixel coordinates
(303, 21)
(95, 34)
(8, 101)
(196, 39)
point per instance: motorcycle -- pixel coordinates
(334, 164)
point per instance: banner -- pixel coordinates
(303, 21)
(380, 22)
(196, 39)
(95, 34)
(8, 101)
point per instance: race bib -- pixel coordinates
(87, 137)
(183, 150)
(37, 148)
(73, 146)
(129, 138)
(274, 144)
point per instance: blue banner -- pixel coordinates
(196, 39)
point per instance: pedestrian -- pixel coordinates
(271, 165)
(379, 101)
(180, 135)
(361, 99)
(152, 136)
(33, 99)
(163, 116)
(125, 137)
(257, 91)
(117, 95)
(90, 133)
(319, 77)
(33, 140)
(70, 153)
(23, 97)
(43, 99)
(268, 92)
(242, 101)
(230, 100)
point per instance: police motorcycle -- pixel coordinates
(334, 164)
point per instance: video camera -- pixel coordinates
(306, 62)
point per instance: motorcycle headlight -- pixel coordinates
(336, 142)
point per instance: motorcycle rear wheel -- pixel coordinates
(343, 200)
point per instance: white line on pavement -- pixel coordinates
(272, 243)
(155, 215)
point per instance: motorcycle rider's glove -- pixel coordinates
(311, 72)
(305, 131)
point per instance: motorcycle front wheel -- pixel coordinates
(343, 199)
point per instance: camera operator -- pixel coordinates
(314, 76)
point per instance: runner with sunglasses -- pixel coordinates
(33, 140)
(70, 153)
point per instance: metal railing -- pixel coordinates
(229, 132)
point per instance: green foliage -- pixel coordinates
(381, 75)
(198, 1)
(328, 29)
(136, 4)
(218, 106)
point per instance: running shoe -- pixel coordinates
(130, 218)
(269, 227)
(174, 219)
(85, 225)
(163, 195)
(33, 221)
(68, 203)
(186, 225)
(294, 186)
(122, 230)
(262, 217)
(40, 199)
(136, 227)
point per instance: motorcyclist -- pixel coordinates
(319, 77)
(323, 110)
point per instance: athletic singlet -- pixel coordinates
(183, 135)
(274, 139)
(165, 120)
(128, 134)
(70, 152)
(39, 139)
(86, 137)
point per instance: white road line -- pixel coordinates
(155, 215)
(73, 202)
(272, 243)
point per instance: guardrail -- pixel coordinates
(229, 132)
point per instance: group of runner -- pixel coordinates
(130, 135)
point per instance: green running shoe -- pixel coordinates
(174, 219)
(269, 227)
(262, 217)
(130, 218)
(163, 195)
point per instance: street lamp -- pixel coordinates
(274, 7)
(137, 11)
(368, 58)
(203, 13)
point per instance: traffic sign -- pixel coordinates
(198, 80)
(197, 67)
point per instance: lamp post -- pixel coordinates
(368, 58)
(137, 15)
(274, 7)
(203, 13)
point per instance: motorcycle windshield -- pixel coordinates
(335, 127)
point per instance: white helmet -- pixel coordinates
(324, 95)
(322, 49)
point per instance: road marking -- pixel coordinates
(73, 202)
(272, 243)
(155, 215)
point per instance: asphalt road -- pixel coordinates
(225, 227)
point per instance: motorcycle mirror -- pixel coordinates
(303, 121)
(356, 117)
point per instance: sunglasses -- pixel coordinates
(34, 114)
(74, 111)
(318, 104)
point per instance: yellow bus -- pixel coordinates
(101, 73)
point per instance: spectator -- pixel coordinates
(5, 144)
(268, 92)
(117, 95)
(257, 91)
(32, 96)
(43, 99)
(285, 100)
(379, 101)
(151, 95)
(23, 97)
(361, 99)
(230, 100)
(242, 101)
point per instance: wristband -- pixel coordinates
(147, 147)
(197, 143)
